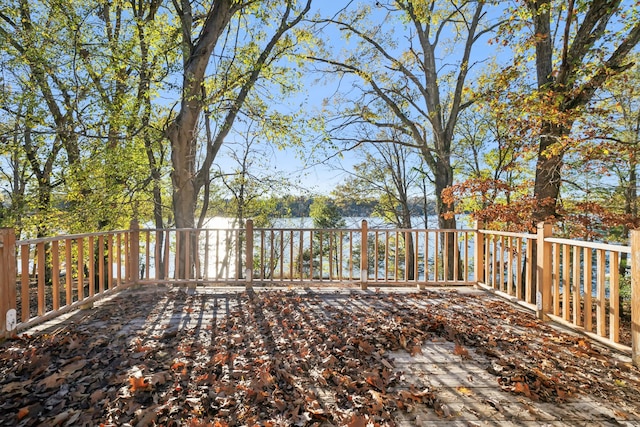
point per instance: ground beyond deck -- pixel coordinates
(311, 357)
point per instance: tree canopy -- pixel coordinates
(165, 111)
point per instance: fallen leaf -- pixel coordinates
(23, 413)
(523, 388)
(415, 350)
(177, 366)
(96, 396)
(62, 417)
(53, 380)
(459, 350)
(138, 383)
(73, 367)
(403, 342)
(463, 390)
(357, 421)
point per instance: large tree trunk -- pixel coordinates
(630, 208)
(183, 129)
(548, 172)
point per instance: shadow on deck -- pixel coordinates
(311, 357)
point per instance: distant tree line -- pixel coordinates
(300, 206)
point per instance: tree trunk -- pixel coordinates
(446, 218)
(182, 131)
(548, 172)
(410, 269)
(630, 208)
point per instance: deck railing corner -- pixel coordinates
(8, 314)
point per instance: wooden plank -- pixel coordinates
(101, 264)
(147, 253)
(272, 258)
(501, 245)
(351, 255)
(487, 260)
(176, 259)
(282, 254)
(445, 256)
(529, 285)
(8, 294)
(426, 256)
(291, 259)
(590, 245)
(301, 255)
(197, 273)
(508, 233)
(577, 296)
(80, 272)
(92, 267)
(41, 264)
(614, 297)
(588, 298)
(509, 248)
(111, 259)
(310, 254)
(158, 256)
(127, 257)
(497, 258)
(386, 254)
(416, 257)
(55, 275)
(635, 296)
(396, 256)
(601, 307)
(556, 278)
(519, 266)
(456, 255)
(119, 258)
(248, 273)
(543, 267)
(364, 256)
(332, 255)
(436, 261)
(69, 269)
(260, 256)
(25, 279)
(566, 282)
(216, 268)
(188, 256)
(466, 256)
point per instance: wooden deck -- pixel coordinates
(311, 357)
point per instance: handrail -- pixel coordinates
(509, 234)
(68, 236)
(592, 245)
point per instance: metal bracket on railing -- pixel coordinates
(11, 319)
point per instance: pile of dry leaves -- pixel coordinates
(283, 357)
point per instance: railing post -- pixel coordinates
(8, 315)
(478, 269)
(635, 297)
(134, 252)
(364, 256)
(249, 254)
(543, 272)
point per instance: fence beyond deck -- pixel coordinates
(573, 282)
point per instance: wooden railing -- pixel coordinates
(262, 256)
(42, 278)
(573, 282)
